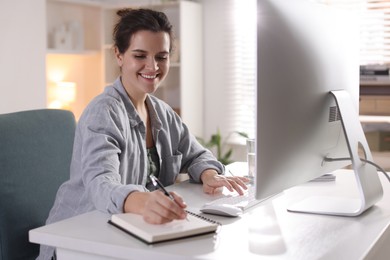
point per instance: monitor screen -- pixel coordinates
(305, 51)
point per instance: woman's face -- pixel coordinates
(145, 63)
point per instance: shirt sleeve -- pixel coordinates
(102, 141)
(196, 158)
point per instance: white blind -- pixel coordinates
(241, 67)
(374, 49)
(374, 28)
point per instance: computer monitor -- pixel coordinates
(307, 103)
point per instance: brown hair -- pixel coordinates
(134, 20)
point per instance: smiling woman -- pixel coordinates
(126, 135)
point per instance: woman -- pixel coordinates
(125, 134)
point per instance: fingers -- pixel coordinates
(161, 209)
(212, 190)
(239, 183)
(235, 184)
(231, 183)
(179, 200)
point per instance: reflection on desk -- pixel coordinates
(267, 231)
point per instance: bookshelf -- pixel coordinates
(92, 65)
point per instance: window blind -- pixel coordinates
(374, 28)
(242, 61)
(374, 24)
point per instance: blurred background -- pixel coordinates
(58, 54)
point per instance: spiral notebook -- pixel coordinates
(134, 224)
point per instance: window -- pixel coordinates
(242, 68)
(374, 49)
(374, 28)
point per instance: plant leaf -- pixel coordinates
(243, 134)
(228, 154)
(215, 139)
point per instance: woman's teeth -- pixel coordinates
(148, 76)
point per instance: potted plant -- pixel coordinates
(218, 144)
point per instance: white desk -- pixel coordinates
(267, 232)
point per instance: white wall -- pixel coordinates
(214, 20)
(22, 55)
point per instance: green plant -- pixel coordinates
(217, 143)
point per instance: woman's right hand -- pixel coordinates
(155, 207)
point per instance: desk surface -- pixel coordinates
(267, 231)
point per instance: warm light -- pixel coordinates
(56, 75)
(63, 94)
(66, 91)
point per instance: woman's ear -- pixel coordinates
(118, 57)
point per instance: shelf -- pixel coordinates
(374, 119)
(175, 64)
(108, 46)
(375, 123)
(375, 83)
(73, 52)
(375, 88)
(120, 3)
(152, 4)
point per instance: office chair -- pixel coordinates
(35, 154)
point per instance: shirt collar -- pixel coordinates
(132, 112)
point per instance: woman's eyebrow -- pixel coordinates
(143, 51)
(139, 50)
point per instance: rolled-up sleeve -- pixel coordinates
(194, 157)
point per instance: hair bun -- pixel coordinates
(123, 12)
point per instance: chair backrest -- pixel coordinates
(35, 154)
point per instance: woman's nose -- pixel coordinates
(152, 64)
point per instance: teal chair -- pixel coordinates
(35, 154)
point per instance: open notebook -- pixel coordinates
(150, 233)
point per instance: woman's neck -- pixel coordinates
(137, 98)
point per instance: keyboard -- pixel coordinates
(228, 202)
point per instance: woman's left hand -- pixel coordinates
(214, 182)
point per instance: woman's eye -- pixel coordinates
(139, 56)
(162, 58)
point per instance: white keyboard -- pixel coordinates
(242, 203)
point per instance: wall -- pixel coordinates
(22, 55)
(214, 60)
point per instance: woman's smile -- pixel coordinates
(146, 76)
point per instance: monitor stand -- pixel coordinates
(368, 183)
